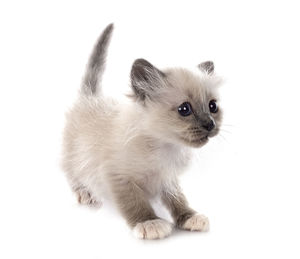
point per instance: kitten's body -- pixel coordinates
(134, 152)
(99, 143)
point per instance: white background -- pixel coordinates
(246, 181)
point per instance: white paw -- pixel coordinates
(84, 197)
(197, 223)
(153, 229)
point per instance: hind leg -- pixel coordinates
(85, 197)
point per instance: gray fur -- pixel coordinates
(178, 207)
(207, 66)
(145, 78)
(133, 152)
(132, 201)
(96, 64)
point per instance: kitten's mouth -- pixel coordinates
(198, 138)
(205, 138)
(196, 142)
(202, 140)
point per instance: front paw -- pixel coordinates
(196, 222)
(153, 229)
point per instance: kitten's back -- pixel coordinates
(88, 134)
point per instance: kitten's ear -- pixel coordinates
(207, 67)
(145, 78)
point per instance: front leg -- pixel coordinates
(136, 209)
(184, 217)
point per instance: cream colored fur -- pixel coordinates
(197, 223)
(134, 151)
(152, 229)
(103, 136)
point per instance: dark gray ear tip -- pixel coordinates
(144, 66)
(207, 66)
(138, 67)
(140, 62)
(210, 63)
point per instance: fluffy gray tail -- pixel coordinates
(96, 65)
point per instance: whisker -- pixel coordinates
(222, 138)
(224, 130)
(228, 125)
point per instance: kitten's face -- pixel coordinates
(180, 106)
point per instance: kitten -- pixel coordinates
(134, 152)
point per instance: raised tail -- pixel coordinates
(96, 65)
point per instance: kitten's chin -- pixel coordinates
(195, 143)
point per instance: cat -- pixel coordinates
(134, 152)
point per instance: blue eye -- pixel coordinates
(185, 109)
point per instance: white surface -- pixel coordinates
(246, 182)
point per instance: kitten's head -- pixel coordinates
(179, 105)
